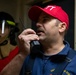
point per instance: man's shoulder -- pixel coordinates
(72, 56)
(71, 67)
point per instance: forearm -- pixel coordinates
(14, 67)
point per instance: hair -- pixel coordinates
(13, 29)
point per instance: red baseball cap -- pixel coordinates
(52, 10)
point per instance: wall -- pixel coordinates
(9, 6)
(14, 8)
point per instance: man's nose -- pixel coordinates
(38, 25)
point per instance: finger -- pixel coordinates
(29, 37)
(33, 37)
(28, 31)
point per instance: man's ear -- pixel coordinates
(62, 27)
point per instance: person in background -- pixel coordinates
(52, 24)
(10, 56)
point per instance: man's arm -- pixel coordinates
(14, 67)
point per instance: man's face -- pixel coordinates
(47, 28)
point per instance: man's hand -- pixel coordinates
(25, 38)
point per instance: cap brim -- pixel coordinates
(34, 12)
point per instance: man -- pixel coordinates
(11, 58)
(52, 25)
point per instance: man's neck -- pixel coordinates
(53, 49)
